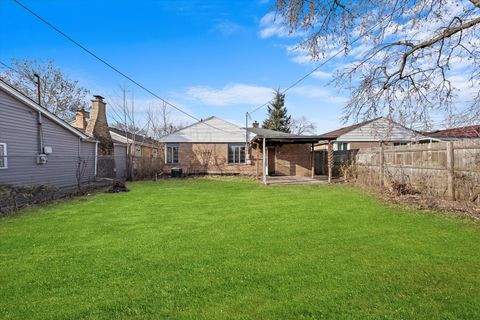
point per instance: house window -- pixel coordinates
(342, 146)
(3, 156)
(138, 151)
(171, 153)
(155, 153)
(236, 153)
(400, 143)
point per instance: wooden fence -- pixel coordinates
(446, 169)
(340, 157)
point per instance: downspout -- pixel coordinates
(40, 132)
(95, 160)
(39, 118)
(247, 151)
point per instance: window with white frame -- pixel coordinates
(342, 146)
(171, 153)
(236, 153)
(3, 156)
(155, 153)
(138, 151)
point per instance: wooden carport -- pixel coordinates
(268, 138)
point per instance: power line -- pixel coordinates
(323, 63)
(8, 67)
(109, 65)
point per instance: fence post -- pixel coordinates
(450, 171)
(382, 166)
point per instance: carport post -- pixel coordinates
(313, 160)
(330, 161)
(264, 161)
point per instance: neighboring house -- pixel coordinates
(143, 147)
(216, 146)
(37, 147)
(135, 149)
(367, 134)
(451, 134)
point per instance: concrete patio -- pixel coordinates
(297, 180)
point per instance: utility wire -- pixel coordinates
(109, 65)
(8, 67)
(323, 63)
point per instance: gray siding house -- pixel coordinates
(37, 147)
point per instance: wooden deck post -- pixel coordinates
(264, 161)
(330, 161)
(450, 171)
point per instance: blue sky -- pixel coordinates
(208, 57)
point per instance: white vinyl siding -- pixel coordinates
(236, 153)
(211, 130)
(171, 153)
(379, 130)
(3, 156)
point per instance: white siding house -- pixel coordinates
(370, 133)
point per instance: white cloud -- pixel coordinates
(226, 27)
(319, 92)
(231, 94)
(272, 25)
(321, 75)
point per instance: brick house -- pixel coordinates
(216, 146)
(368, 134)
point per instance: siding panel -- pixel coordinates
(18, 128)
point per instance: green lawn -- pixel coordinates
(234, 249)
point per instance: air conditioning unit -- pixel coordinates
(42, 159)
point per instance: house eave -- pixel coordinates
(35, 106)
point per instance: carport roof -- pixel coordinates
(277, 136)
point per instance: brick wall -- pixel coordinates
(291, 159)
(207, 158)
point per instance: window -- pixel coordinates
(138, 151)
(342, 146)
(3, 156)
(171, 153)
(155, 153)
(236, 153)
(400, 143)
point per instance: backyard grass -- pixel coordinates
(234, 249)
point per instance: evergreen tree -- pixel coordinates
(278, 119)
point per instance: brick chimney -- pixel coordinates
(255, 124)
(81, 117)
(98, 126)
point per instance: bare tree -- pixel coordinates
(302, 125)
(58, 93)
(406, 56)
(161, 122)
(123, 112)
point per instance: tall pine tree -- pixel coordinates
(278, 119)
